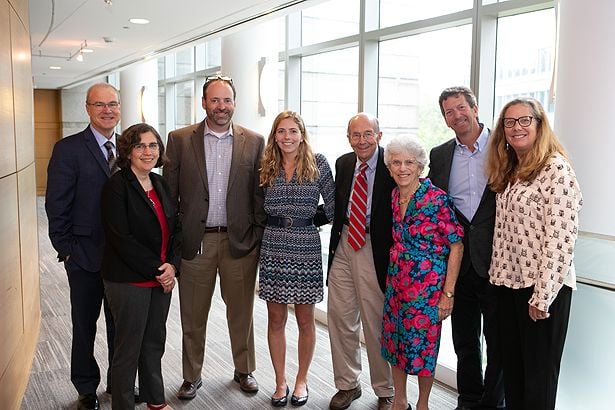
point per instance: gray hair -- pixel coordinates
(406, 144)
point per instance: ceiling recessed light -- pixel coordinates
(55, 67)
(87, 50)
(139, 21)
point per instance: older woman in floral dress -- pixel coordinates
(424, 264)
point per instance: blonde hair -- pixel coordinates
(503, 166)
(307, 169)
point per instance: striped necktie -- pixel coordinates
(111, 160)
(357, 220)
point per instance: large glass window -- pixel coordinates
(184, 103)
(525, 58)
(394, 12)
(184, 61)
(208, 54)
(411, 78)
(329, 97)
(329, 20)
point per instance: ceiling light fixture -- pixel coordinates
(55, 67)
(83, 48)
(139, 21)
(108, 2)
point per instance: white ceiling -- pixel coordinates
(173, 22)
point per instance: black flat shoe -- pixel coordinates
(300, 400)
(280, 401)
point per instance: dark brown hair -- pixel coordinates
(131, 137)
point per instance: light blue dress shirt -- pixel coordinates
(468, 178)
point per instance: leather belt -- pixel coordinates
(346, 223)
(287, 222)
(215, 229)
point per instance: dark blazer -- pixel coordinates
(134, 237)
(478, 233)
(381, 218)
(186, 174)
(76, 174)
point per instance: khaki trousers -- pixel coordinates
(197, 283)
(355, 300)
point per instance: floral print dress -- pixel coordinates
(418, 258)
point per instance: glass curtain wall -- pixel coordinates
(391, 58)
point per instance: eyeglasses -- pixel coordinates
(524, 121)
(368, 135)
(218, 78)
(396, 163)
(140, 147)
(113, 105)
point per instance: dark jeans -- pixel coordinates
(476, 298)
(86, 299)
(533, 349)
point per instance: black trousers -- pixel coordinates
(533, 350)
(140, 316)
(475, 301)
(86, 299)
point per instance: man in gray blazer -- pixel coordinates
(214, 174)
(457, 166)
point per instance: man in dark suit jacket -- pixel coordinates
(77, 171)
(357, 278)
(213, 171)
(457, 166)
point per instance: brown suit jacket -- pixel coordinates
(186, 174)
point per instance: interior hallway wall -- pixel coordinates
(19, 276)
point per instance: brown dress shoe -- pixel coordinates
(342, 399)
(188, 390)
(385, 403)
(247, 382)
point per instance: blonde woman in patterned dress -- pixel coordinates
(290, 267)
(537, 205)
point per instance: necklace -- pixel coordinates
(404, 201)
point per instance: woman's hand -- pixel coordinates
(445, 307)
(167, 277)
(537, 314)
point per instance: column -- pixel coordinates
(139, 94)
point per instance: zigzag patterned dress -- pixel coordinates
(290, 267)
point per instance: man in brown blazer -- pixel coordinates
(213, 173)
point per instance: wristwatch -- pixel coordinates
(449, 295)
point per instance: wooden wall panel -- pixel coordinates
(19, 276)
(28, 235)
(47, 131)
(11, 325)
(22, 90)
(21, 8)
(7, 139)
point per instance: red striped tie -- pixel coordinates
(358, 210)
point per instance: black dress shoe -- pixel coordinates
(87, 402)
(137, 397)
(300, 400)
(280, 401)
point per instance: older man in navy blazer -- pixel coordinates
(79, 167)
(457, 166)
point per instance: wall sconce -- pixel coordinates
(147, 106)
